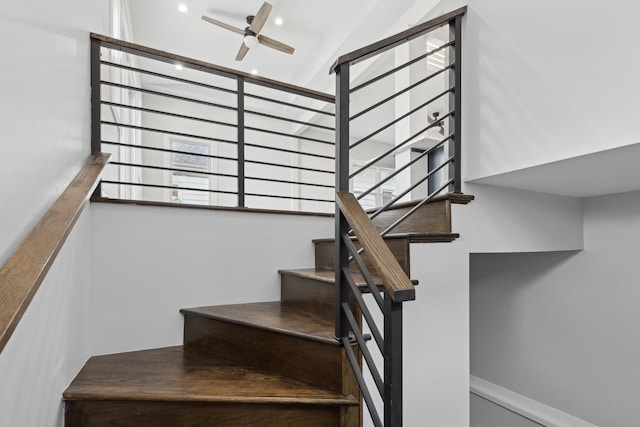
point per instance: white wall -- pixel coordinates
(148, 263)
(45, 114)
(561, 328)
(546, 80)
(50, 344)
(44, 106)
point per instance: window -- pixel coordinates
(367, 179)
(189, 183)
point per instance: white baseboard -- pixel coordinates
(528, 408)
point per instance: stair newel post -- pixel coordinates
(96, 127)
(342, 184)
(240, 105)
(392, 362)
(455, 103)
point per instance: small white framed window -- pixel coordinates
(367, 179)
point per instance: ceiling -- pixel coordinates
(595, 174)
(319, 30)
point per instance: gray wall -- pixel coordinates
(561, 327)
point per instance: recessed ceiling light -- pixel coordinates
(278, 21)
(183, 8)
(254, 71)
(178, 67)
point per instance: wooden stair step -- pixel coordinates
(313, 289)
(275, 316)
(272, 336)
(432, 217)
(182, 386)
(398, 243)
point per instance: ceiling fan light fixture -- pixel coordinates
(250, 41)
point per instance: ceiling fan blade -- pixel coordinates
(441, 131)
(260, 18)
(430, 120)
(275, 44)
(223, 25)
(242, 52)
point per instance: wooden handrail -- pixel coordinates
(203, 66)
(397, 39)
(26, 269)
(395, 281)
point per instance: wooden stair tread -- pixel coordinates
(180, 374)
(328, 276)
(411, 237)
(456, 198)
(274, 316)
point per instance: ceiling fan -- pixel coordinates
(252, 36)
(435, 119)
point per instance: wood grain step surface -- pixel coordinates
(178, 374)
(289, 339)
(274, 316)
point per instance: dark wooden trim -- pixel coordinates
(213, 208)
(26, 269)
(396, 282)
(392, 41)
(206, 66)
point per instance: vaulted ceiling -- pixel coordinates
(320, 31)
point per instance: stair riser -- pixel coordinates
(310, 361)
(433, 217)
(325, 255)
(189, 414)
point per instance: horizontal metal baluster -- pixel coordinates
(164, 168)
(289, 104)
(421, 156)
(166, 113)
(168, 95)
(258, 162)
(400, 67)
(361, 382)
(377, 336)
(167, 150)
(284, 181)
(363, 269)
(167, 76)
(377, 378)
(414, 185)
(167, 132)
(275, 196)
(287, 119)
(284, 150)
(435, 98)
(170, 187)
(396, 94)
(288, 135)
(415, 208)
(396, 147)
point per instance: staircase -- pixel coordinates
(260, 364)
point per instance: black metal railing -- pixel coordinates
(409, 115)
(185, 131)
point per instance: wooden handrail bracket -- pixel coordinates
(393, 277)
(23, 273)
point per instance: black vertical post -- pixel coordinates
(455, 103)
(96, 127)
(392, 362)
(342, 184)
(241, 202)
